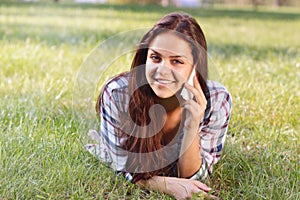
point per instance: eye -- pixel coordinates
(155, 58)
(176, 61)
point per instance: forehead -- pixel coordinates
(169, 43)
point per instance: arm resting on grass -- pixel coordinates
(180, 188)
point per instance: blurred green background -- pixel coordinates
(45, 48)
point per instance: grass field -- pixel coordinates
(43, 129)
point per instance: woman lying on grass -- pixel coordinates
(157, 130)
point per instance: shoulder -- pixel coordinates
(116, 87)
(216, 88)
(114, 92)
(220, 102)
(118, 82)
(218, 93)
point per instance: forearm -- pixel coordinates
(190, 160)
(156, 183)
(180, 188)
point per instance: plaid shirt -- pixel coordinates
(115, 99)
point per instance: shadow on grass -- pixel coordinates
(260, 14)
(58, 33)
(70, 35)
(53, 34)
(258, 53)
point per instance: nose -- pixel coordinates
(162, 68)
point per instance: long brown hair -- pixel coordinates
(142, 99)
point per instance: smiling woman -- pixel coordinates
(149, 132)
(169, 63)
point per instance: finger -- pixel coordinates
(191, 89)
(193, 107)
(198, 87)
(197, 84)
(196, 190)
(202, 186)
(198, 93)
(194, 112)
(204, 189)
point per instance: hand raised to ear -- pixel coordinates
(194, 108)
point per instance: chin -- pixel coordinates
(164, 94)
(162, 91)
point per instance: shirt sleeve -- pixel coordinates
(202, 172)
(115, 156)
(213, 131)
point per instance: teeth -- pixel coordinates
(164, 81)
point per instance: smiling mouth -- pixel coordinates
(163, 81)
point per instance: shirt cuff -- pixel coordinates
(202, 173)
(128, 177)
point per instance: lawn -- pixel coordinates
(50, 74)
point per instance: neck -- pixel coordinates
(170, 103)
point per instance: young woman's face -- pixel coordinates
(169, 64)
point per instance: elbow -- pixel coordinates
(189, 170)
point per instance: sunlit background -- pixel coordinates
(46, 47)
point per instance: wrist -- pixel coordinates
(159, 183)
(190, 159)
(190, 137)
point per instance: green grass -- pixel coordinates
(43, 133)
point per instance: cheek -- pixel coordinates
(150, 65)
(150, 70)
(180, 76)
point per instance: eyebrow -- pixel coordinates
(177, 56)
